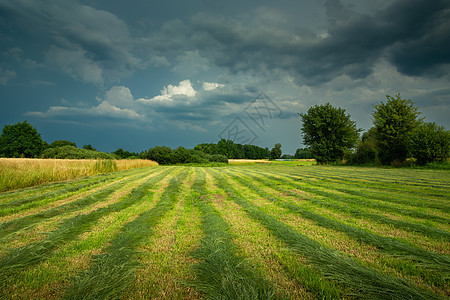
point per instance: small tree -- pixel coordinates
(275, 153)
(430, 142)
(303, 153)
(61, 143)
(20, 140)
(366, 151)
(394, 122)
(329, 132)
(89, 147)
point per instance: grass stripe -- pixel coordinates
(36, 191)
(431, 267)
(268, 254)
(409, 198)
(36, 200)
(28, 220)
(113, 272)
(357, 208)
(355, 197)
(25, 257)
(50, 278)
(366, 282)
(222, 274)
(164, 259)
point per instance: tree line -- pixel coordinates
(399, 135)
(23, 140)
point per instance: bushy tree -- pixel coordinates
(122, 154)
(61, 143)
(328, 132)
(161, 154)
(233, 150)
(275, 153)
(394, 122)
(366, 150)
(303, 153)
(20, 140)
(71, 152)
(164, 155)
(89, 147)
(430, 142)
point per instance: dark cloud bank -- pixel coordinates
(191, 68)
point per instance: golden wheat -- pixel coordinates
(23, 172)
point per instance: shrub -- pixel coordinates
(61, 143)
(429, 142)
(70, 152)
(219, 158)
(164, 155)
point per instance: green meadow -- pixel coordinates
(243, 231)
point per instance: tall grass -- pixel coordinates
(16, 173)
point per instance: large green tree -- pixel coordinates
(394, 123)
(20, 140)
(275, 153)
(430, 142)
(329, 132)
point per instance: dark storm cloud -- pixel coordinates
(86, 43)
(412, 35)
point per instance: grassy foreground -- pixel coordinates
(23, 172)
(238, 232)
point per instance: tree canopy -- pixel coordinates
(429, 142)
(275, 153)
(394, 121)
(329, 132)
(20, 140)
(233, 150)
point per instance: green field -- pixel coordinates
(238, 232)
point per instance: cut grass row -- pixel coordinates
(332, 264)
(241, 232)
(350, 204)
(410, 259)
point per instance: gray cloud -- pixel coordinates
(86, 43)
(412, 35)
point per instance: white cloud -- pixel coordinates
(169, 93)
(104, 109)
(119, 96)
(209, 86)
(117, 103)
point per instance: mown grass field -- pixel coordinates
(238, 232)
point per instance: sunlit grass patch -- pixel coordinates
(24, 172)
(343, 269)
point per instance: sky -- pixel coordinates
(135, 74)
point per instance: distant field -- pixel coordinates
(23, 172)
(261, 231)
